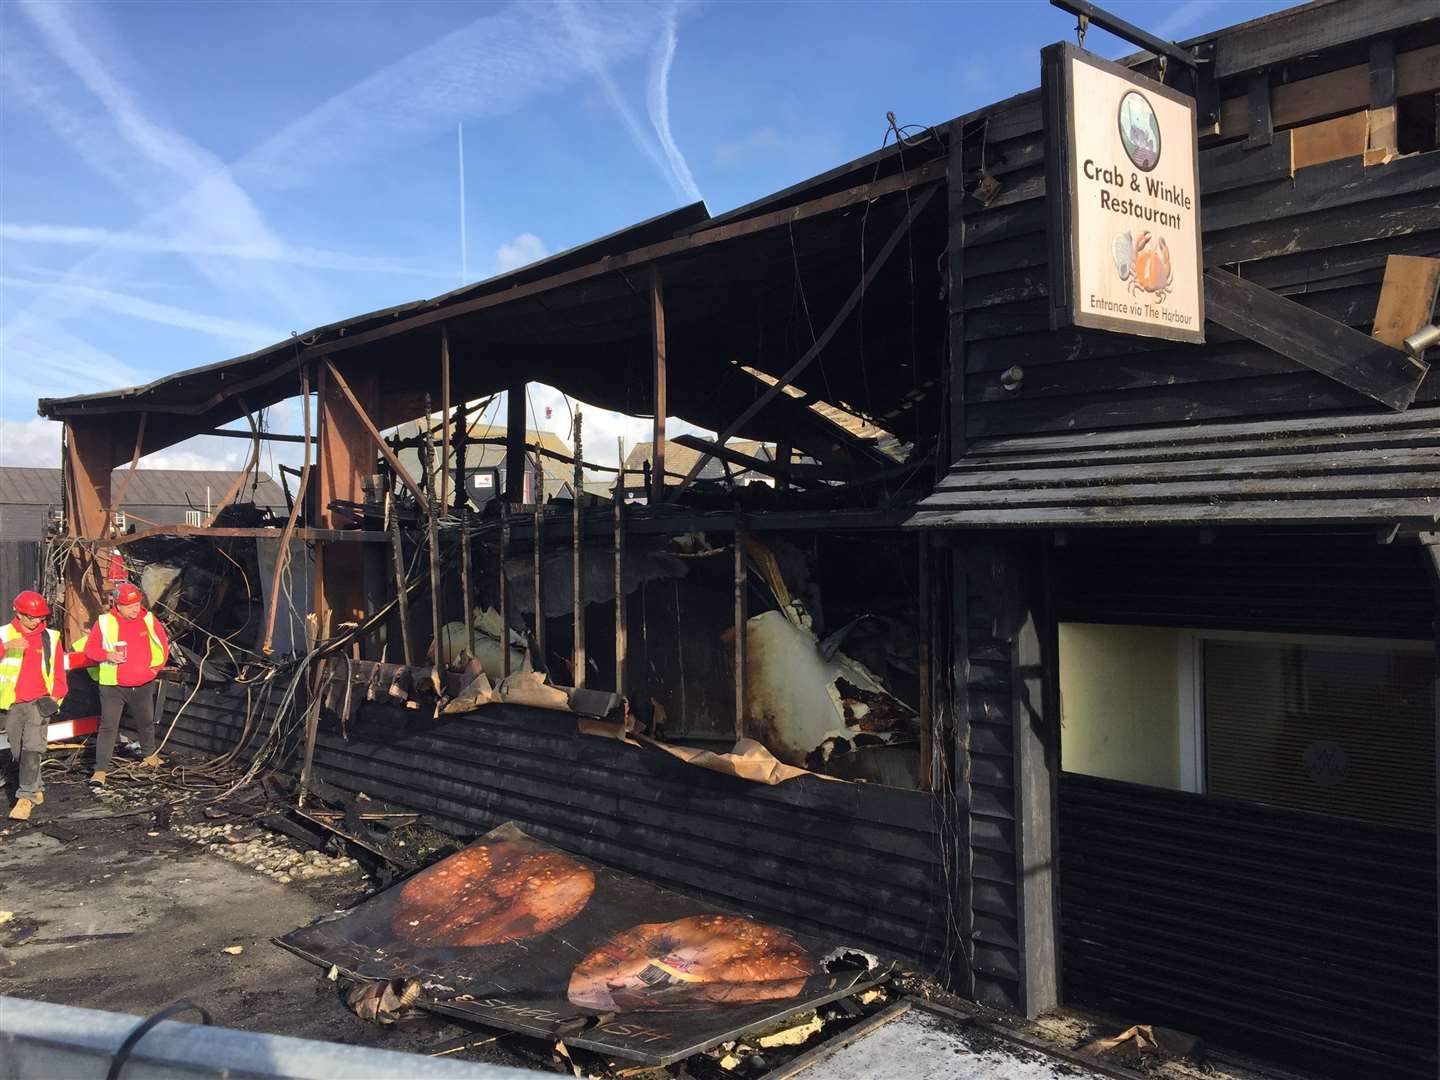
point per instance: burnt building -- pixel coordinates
(1132, 640)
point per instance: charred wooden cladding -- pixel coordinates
(862, 861)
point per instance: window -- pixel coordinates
(1340, 726)
(1324, 728)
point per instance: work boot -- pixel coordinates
(152, 761)
(21, 810)
(39, 798)
(98, 777)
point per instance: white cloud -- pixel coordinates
(658, 101)
(257, 251)
(578, 26)
(485, 69)
(31, 444)
(200, 453)
(1183, 17)
(522, 251)
(38, 360)
(248, 334)
(194, 201)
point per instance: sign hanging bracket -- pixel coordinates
(1087, 13)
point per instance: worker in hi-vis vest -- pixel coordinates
(129, 645)
(32, 685)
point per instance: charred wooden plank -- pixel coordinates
(1313, 29)
(1398, 216)
(1238, 165)
(1324, 345)
(1262, 127)
(1321, 187)
(1407, 298)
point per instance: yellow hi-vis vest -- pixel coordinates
(110, 636)
(10, 665)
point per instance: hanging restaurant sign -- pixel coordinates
(1122, 177)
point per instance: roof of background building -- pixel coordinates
(491, 455)
(680, 459)
(148, 487)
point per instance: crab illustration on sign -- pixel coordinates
(1139, 130)
(1143, 262)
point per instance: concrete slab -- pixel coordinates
(128, 918)
(919, 1045)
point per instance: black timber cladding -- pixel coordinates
(1165, 896)
(1001, 638)
(857, 861)
(1313, 470)
(1280, 582)
(1319, 236)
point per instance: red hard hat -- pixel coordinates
(32, 603)
(128, 594)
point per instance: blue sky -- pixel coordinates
(180, 183)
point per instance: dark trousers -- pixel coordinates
(113, 702)
(26, 730)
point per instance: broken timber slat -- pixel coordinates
(1237, 165)
(1382, 143)
(660, 403)
(776, 388)
(1324, 345)
(1407, 298)
(1304, 100)
(1330, 140)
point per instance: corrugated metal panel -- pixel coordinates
(19, 569)
(1282, 583)
(1357, 469)
(23, 522)
(154, 487)
(812, 854)
(1303, 939)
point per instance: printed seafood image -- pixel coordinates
(1139, 130)
(490, 893)
(689, 963)
(1143, 262)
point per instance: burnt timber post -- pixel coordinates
(504, 589)
(657, 437)
(515, 444)
(89, 456)
(620, 642)
(1006, 770)
(577, 563)
(446, 433)
(741, 620)
(345, 451)
(538, 560)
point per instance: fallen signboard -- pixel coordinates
(515, 934)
